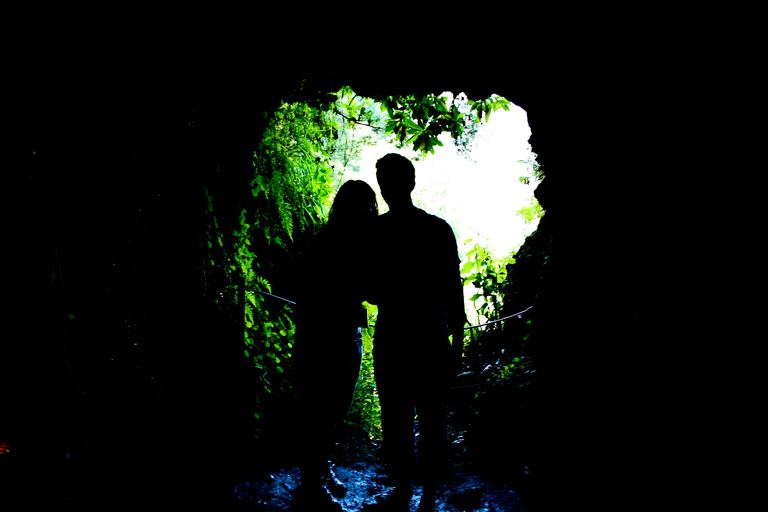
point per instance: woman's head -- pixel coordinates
(355, 202)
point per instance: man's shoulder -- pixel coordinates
(415, 217)
(435, 218)
(435, 222)
(412, 213)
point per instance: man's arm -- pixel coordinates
(453, 298)
(457, 352)
(454, 290)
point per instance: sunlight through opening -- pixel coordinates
(479, 192)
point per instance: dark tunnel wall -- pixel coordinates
(103, 153)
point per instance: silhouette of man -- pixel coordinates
(419, 294)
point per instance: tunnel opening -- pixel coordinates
(500, 372)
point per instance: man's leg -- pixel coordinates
(397, 420)
(432, 409)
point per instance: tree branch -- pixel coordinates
(377, 128)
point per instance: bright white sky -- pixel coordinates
(478, 197)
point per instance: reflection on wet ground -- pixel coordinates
(272, 491)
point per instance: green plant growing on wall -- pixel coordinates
(531, 211)
(286, 202)
(535, 169)
(486, 274)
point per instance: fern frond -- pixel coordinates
(248, 314)
(286, 217)
(264, 284)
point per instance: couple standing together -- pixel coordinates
(408, 265)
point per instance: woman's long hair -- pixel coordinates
(332, 257)
(354, 205)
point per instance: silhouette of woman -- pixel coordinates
(328, 349)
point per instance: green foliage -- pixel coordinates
(519, 372)
(419, 120)
(496, 350)
(292, 169)
(366, 411)
(536, 169)
(286, 200)
(297, 167)
(473, 116)
(360, 123)
(486, 274)
(531, 211)
(498, 360)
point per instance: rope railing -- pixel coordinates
(465, 328)
(489, 383)
(499, 320)
(373, 325)
(275, 296)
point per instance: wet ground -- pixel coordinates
(364, 477)
(490, 486)
(273, 491)
(463, 493)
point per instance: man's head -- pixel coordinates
(397, 179)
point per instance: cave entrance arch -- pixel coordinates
(503, 366)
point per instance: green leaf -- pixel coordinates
(410, 124)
